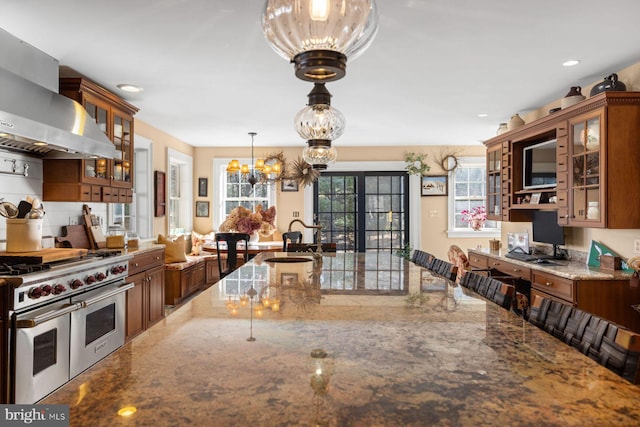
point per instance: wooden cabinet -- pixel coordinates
(212, 274)
(95, 180)
(183, 279)
(145, 302)
(509, 268)
(596, 156)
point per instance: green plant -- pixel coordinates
(416, 164)
(405, 252)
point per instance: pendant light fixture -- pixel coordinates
(318, 36)
(255, 172)
(319, 123)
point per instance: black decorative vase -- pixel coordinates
(610, 83)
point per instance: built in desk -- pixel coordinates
(402, 347)
(608, 294)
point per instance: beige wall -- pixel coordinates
(434, 209)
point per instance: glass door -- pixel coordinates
(586, 194)
(122, 163)
(96, 170)
(363, 211)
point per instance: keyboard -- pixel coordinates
(521, 256)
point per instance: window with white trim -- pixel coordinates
(235, 190)
(179, 200)
(467, 190)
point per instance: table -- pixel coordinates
(254, 248)
(404, 348)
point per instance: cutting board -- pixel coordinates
(74, 236)
(43, 256)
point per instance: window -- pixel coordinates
(235, 190)
(180, 191)
(467, 190)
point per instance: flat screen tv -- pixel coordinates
(546, 229)
(539, 165)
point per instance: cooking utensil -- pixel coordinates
(23, 208)
(8, 210)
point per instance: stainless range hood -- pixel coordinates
(36, 120)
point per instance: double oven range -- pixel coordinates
(63, 319)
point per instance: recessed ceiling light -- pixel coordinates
(130, 88)
(482, 115)
(571, 63)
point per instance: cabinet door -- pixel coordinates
(586, 180)
(494, 182)
(97, 170)
(135, 306)
(122, 173)
(155, 295)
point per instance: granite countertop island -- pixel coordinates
(402, 347)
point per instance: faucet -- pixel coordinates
(318, 229)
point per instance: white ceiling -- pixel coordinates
(209, 76)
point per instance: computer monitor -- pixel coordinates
(547, 230)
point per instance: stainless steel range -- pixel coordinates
(64, 318)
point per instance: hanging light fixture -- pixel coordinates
(319, 123)
(318, 36)
(256, 171)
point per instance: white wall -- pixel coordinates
(14, 188)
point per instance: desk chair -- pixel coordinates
(232, 240)
(294, 236)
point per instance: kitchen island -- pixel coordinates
(346, 339)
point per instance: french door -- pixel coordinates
(363, 211)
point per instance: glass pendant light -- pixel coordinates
(319, 153)
(319, 35)
(319, 120)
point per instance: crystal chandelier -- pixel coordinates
(261, 171)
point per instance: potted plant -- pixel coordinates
(476, 217)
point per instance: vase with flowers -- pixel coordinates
(476, 217)
(258, 223)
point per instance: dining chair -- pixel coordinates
(232, 240)
(295, 237)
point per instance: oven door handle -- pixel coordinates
(32, 322)
(122, 288)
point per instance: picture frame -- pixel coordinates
(434, 185)
(203, 185)
(535, 198)
(289, 185)
(202, 209)
(288, 279)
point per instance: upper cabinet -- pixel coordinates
(97, 180)
(582, 161)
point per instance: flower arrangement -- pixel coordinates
(475, 216)
(242, 220)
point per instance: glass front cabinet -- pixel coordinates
(586, 181)
(99, 179)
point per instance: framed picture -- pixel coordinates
(159, 199)
(535, 198)
(288, 279)
(434, 185)
(203, 183)
(202, 209)
(289, 185)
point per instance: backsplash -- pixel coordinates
(14, 188)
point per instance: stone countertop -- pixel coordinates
(448, 358)
(564, 268)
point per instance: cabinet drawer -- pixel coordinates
(558, 287)
(479, 261)
(146, 260)
(512, 269)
